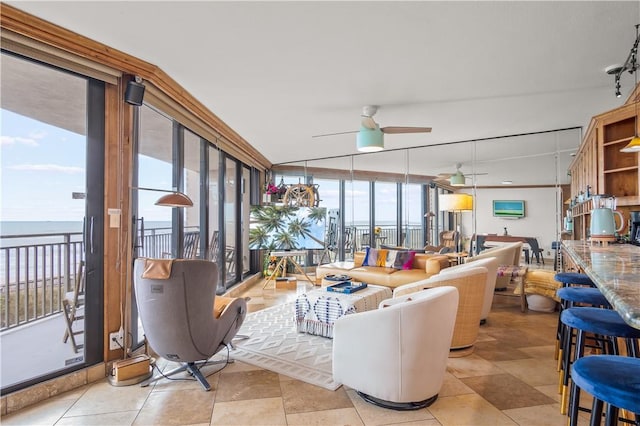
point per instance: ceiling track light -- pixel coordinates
(634, 144)
(631, 65)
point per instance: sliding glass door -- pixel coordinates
(51, 262)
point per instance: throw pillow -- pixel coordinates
(382, 258)
(370, 257)
(404, 260)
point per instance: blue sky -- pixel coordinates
(41, 166)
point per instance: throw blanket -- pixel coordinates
(317, 310)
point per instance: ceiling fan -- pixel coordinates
(370, 136)
(458, 178)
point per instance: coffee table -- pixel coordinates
(317, 310)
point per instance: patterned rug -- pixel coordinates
(275, 345)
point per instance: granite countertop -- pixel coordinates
(615, 270)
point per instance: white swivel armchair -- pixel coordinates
(396, 356)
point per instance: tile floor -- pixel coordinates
(510, 379)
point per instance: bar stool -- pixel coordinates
(573, 278)
(569, 297)
(568, 279)
(603, 322)
(611, 379)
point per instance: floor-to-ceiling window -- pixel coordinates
(231, 208)
(386, 214)
(192, 237)
(245, 213)
(51, 221)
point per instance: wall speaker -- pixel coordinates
(134, 93)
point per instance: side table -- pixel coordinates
(285, 258)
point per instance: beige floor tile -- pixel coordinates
(540, 415)
(251, 384)
(373, 415)
(121, 418)
(543, 352)
(470, 366)
(45, 413)
(430, 422)
(469, 409)
(550, 390)
(452, 386)
(104, 398)
(341, 416)
(266, 411)
(300, 397)
(535, 371)
(184, 407)
(506, 391)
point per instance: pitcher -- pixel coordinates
(603, 223)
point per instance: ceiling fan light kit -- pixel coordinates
(369, 140)
(457, 179)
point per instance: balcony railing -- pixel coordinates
(39, 270)
(35, 276)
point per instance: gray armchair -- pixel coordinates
(176, 300)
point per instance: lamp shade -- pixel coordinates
(455, 202)
(632, 146)
(369, 140)
(457, 179)
(174, 199)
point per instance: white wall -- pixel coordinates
(539, 220)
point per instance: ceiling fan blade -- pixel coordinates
(400, 129)
(335, 134)
(368, 122)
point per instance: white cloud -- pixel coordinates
(12, 140)
(48, 168)
(37, 134)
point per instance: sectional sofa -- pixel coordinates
(393, 273)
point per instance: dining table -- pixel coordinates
(615, 270)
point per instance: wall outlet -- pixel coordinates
(116, 340)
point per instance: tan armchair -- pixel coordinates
(448, 243)
(491, 263)
(471, 285)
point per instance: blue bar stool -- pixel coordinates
(611, 379)
(602, 322)
(573, 278)
(569, 297)
(568, 279)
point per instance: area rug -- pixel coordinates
(275, 345)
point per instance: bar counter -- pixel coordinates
(615, 270)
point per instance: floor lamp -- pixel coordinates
(456, 203)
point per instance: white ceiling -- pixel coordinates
(280, 72)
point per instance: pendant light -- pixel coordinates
(634, 144)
